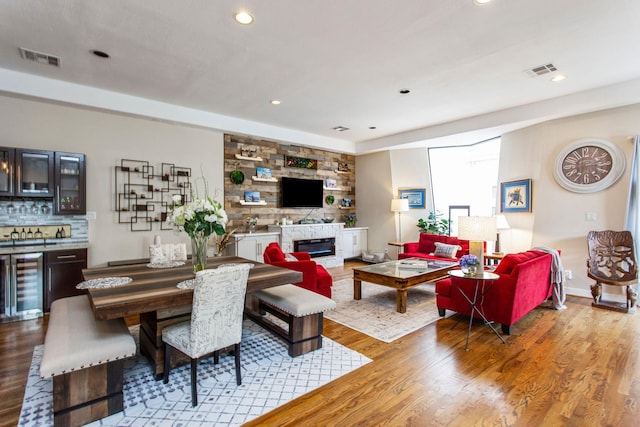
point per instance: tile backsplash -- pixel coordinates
(18, 214)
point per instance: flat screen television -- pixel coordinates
(301, 193)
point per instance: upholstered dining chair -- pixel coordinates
(216, 320)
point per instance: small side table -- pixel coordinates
(493, 258)
(399, 245)
(480, 278)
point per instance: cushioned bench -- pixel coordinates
(300, 308)
(85, 357)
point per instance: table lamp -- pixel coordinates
(477, 230)
(501, 224)
(399, 206)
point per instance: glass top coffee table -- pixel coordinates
(400, 275)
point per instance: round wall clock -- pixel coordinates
(589, 165)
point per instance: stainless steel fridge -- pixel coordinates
(21, 286)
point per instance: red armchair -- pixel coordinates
(524, 283)
(314, 276)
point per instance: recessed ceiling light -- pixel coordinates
(481, 2)
(275, 101)
(244, 18)
(100, 53)
(558, 78)
(404, 91)
(340, 128)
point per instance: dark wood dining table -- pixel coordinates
(153, 294)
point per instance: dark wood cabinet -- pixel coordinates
(7, 167)
(70, 182)
(63, 270)
(34, 173)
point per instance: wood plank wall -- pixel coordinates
(272, 154)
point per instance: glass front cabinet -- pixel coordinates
(34, 173)
(70, 198)
(7, 165)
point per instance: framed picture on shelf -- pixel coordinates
(263, 173)
(330, 183)
(515, 196)
(248, 150)
(416, 197)
(251, 196)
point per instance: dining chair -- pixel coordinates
(216, 320)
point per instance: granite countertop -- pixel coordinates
(9, 250)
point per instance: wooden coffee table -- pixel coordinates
(400, 275)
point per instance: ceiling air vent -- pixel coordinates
(541, 70)
(42, 58)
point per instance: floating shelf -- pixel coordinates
(260, 203)
(255, 178)
(254, 159)
(333, 188)
(339, 171)
(346, 207)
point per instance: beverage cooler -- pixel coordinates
(21, 286)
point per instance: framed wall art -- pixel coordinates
(416, 197)
(515, 196)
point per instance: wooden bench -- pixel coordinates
(85, 357)
(301, 309)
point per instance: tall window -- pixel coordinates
(465, 176)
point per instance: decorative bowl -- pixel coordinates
(327, 220)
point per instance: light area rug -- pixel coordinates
(270, 378)
(375, 314)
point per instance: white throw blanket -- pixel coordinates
(559, 295)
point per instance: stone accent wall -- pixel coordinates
(272, 154)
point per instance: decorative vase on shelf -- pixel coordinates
(199, 251)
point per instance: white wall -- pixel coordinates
(558, 217)
(107, 138)
(378, 178)
(373, 199)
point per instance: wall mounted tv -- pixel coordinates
(301, 193)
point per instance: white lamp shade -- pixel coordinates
(502, 223)
(399, 205)
(477, 228)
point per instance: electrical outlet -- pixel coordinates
(568, 274)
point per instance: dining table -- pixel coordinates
(154, 295)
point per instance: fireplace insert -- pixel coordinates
(316, 247)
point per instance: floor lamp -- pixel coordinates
(399, 206)
(477, 230)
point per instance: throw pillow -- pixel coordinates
(446, 251)
(290, 257)
(156, 256)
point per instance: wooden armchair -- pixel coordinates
(612, 261)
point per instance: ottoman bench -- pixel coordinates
(85, 357)
(300, 308)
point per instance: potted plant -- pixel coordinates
(434, 224)
(350, 220)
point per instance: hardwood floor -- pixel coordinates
(577, 367)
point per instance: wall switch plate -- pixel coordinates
(91, 215)
(590, 216)
(568, 274)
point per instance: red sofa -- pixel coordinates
(314, 276)
(427, 245)
(524, 283)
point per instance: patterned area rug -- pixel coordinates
(375, 314)
(270, 378)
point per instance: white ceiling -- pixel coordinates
(330, 62)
